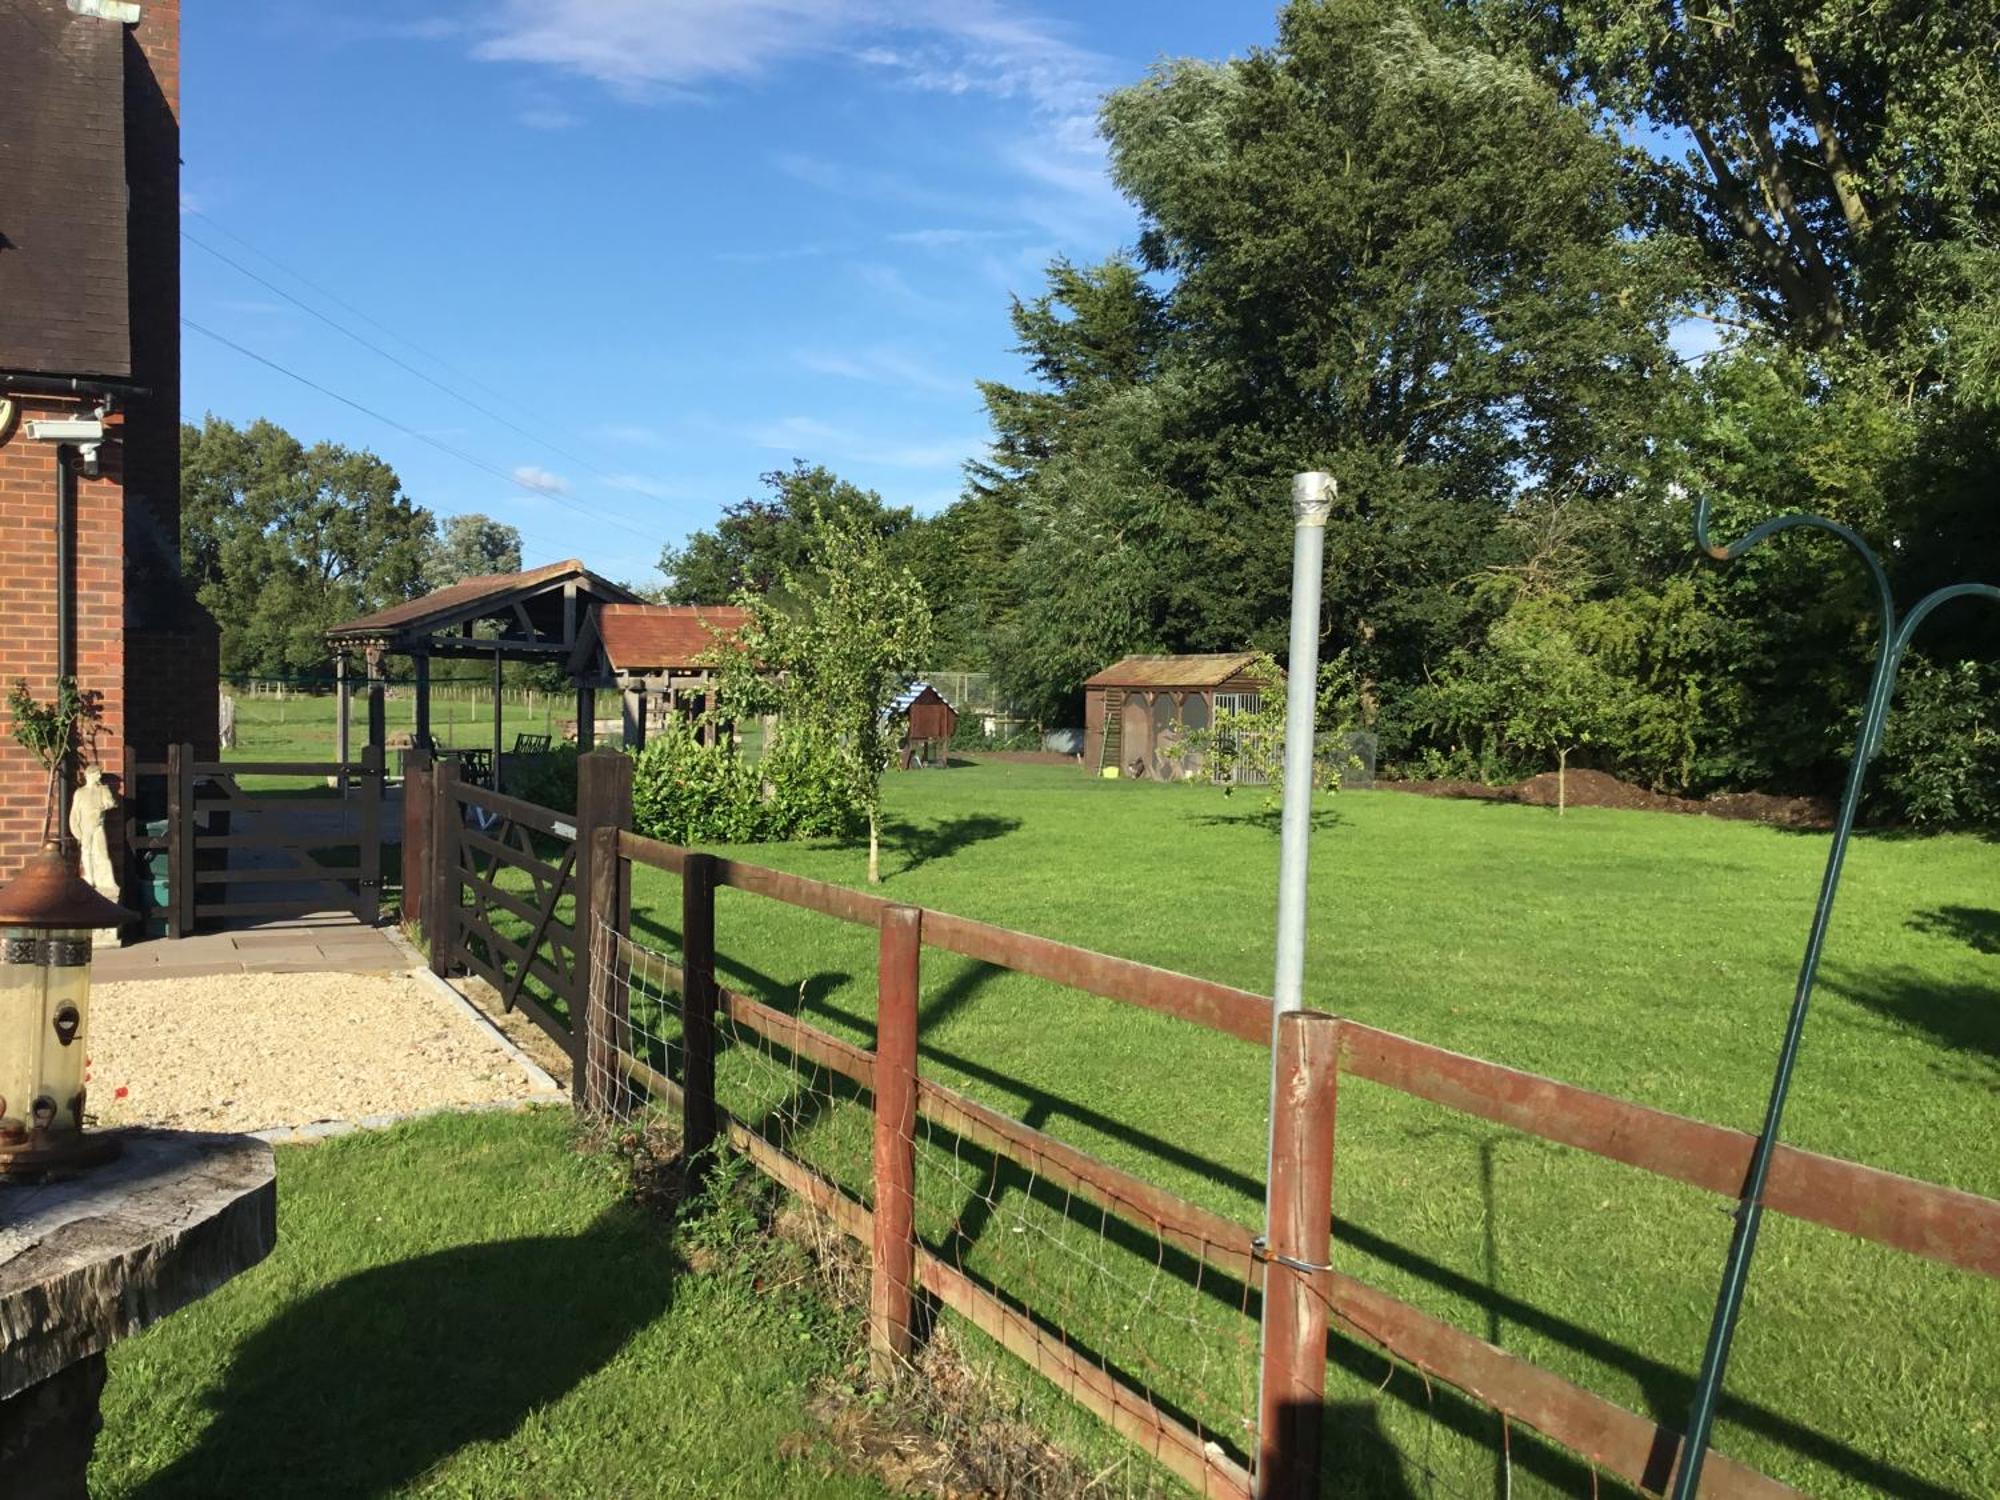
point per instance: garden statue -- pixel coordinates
(93, 803)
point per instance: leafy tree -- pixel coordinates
(763, 540)
(831, 657)
(1238, 741)
(282, 541)
(470, 546)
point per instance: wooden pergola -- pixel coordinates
(653, 651)
(537, 615)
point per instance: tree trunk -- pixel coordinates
(1562, 782)
(874, 850)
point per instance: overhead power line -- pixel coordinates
(423, 437)
(341, 302)
(398, 362)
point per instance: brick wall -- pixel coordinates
(28, 622)
(142, 645)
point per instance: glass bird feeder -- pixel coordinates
(47, 916)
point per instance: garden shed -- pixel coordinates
(928, 723)
(648, 651)
(1134, 709)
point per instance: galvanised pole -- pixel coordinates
(1895, 640)
(1312, 503)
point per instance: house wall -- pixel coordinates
(143, 647)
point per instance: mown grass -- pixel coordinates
(466, 1306)
(1648, 955)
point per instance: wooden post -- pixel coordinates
(344, 714)
(421, 729)
(368, 888)
(1298, 1278)
(698, 1014)
(607, 1003)
(497, 705)
(603, 800)
(894, 1265)
(416, 835)
(441, 904)
(180, 841)
(586, 716)
(378, 707)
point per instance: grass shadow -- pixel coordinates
(1270, 819)
(368, 1384)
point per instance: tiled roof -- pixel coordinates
(456, 598)
(651, 637)
(64, 302)
(1173, 671)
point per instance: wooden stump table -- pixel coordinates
(93, 1260)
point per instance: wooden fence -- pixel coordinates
(1288, 1265)
(210, 815)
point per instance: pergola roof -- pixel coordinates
(1206, 671)
(540, 612)
(641, 638)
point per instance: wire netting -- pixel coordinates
(1122, 1294)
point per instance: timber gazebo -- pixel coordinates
(648, 651)
(535, 616)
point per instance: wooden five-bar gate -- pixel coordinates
(1289, 1264)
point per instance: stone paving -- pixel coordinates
(330, 943)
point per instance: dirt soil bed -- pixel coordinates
(1600, 789)
(255, 1051)
(1018, 757)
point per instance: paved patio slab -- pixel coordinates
(330, 943)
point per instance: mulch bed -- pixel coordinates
(1600, 789)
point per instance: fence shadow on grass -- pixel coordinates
(369, 1383)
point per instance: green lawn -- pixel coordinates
(301, 726)
(471, 1296)
(467, 1307)
(1648, 955)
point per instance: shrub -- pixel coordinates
(810, 789)
(1940, 762)
(547, 780)
(689, 793)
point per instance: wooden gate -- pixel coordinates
(233, 852)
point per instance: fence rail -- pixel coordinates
(1283, 1279)
(1921, 1218)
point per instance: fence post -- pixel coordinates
(441, 904)
(368, 886)
(1298, 1276)
(416, 835)
(698, 1001)
(890, 1286)
(606, 1006)
(180, 841)
(603, 800)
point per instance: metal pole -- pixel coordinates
(1312, 503)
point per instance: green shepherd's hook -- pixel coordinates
(1868, 742)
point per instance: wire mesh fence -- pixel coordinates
(1146, 1314)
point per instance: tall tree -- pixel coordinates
(469, 546)
(282, 541)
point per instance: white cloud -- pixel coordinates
(811, 439)
(548, 117)
(530, 477)
(949, 239)
(955, 47)
(880, 365)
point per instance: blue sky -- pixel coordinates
(666, 244)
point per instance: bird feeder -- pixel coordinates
(47, 916)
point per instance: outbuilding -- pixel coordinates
(655, 653)
(928, 723)
(1135, 709)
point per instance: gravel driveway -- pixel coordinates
(257, 1051)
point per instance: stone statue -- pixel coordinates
(88, 810)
